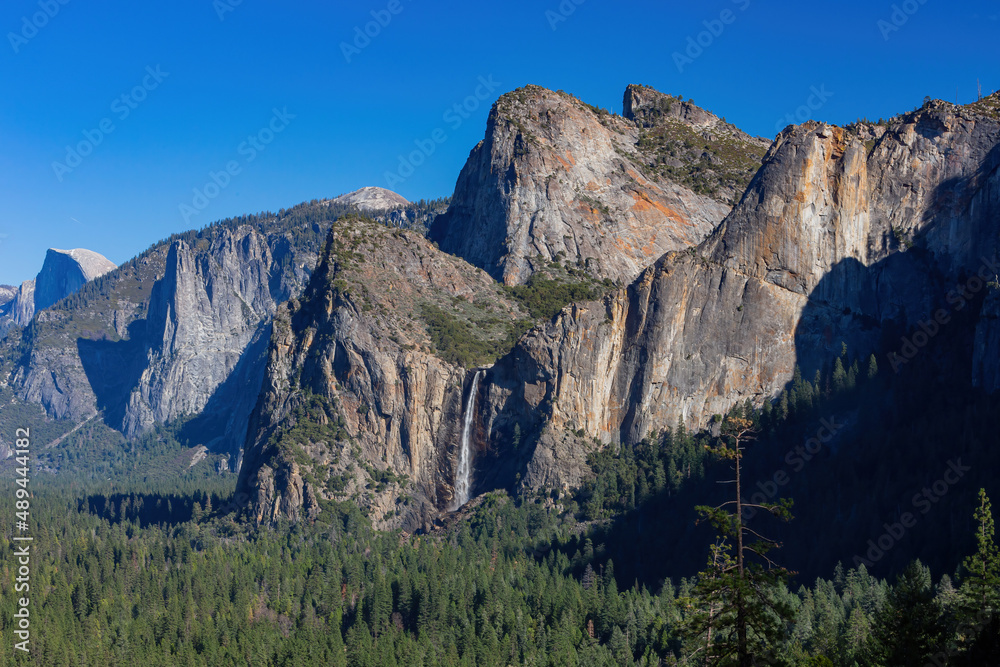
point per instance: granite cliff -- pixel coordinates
(7, 294)
(718, 280)
(557, 179)
(846, 236)
(178, 334)
(66, 271)
(365, 379)
(841, 238)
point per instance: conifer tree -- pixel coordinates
(981, 588)
(739, 615)
(839, 377)
(908, 629)
(872, 367)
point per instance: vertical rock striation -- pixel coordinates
(66, 271)
(180, 332)
(203, 316)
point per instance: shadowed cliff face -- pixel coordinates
(203, 314)
(844, 236)
(66, 271)
(180, 330)
(202, 318)
(831, 244)
(553, 178)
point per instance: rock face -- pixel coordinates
(556, 180)
(179, 333)
(63, 273)
(372, 199)
(204, 315)
(22, 308)
(844, 236)
(834, 242)
(355, 383)
(418, 216)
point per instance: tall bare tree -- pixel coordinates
(737, 615)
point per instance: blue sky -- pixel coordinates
(191, 88)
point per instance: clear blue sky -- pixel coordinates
(353, 120)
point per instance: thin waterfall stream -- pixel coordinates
(463, 476)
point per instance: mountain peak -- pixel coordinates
(63, 273)
(643, 104)
(570, 182)
(371, 198)
(66, 271)
(91, 264)
(648, 106)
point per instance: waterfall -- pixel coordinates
(462, 477)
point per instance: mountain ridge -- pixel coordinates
(843, 237)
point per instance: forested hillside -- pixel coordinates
(160, 574)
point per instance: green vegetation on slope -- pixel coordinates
(155, 576)
(459, 341)
(16, 414)
(544, 296)
(455, 339)
(385, 272)
(716, 166)
(988, 106)
(94, 453)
